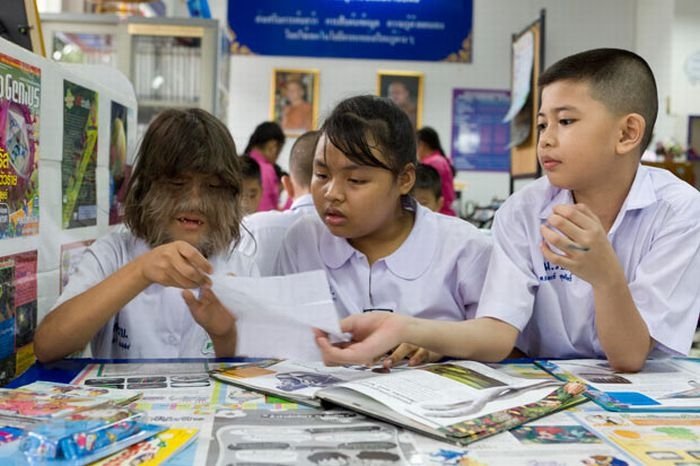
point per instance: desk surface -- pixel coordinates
(236, 427)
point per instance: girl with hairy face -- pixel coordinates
(146, 292)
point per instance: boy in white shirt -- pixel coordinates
(134, 293)
(596, 259)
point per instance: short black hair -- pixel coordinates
(301, 157)
(360, 123)
(266, 131)
(622, 80)
(250, 168)
(428, 177)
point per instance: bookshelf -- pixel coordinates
(171, 62)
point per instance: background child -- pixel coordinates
(430, 153)
(382, 251)
(251, 193)
(132, 295)
(264, 146)
(428, 187)
(265, 230)
(586, 260)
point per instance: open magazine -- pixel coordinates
(457, 401)
(671, 384)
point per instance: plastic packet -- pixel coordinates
(86, 436)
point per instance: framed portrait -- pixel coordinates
(294, 100)
(405, 89)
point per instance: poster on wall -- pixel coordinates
(479, 135)
(427, 30)
(71, 254)
(18, 313)
(79, 160)
(119, 167)
(294, 100)
(20, 97)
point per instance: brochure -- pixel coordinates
(457, 401)
(153, 451)
(47, 400)
(669, 385)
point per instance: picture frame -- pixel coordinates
(294, 100)
(20, 21)
(405, 89)
(694, 134)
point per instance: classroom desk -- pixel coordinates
(584, 435)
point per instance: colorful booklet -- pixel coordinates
(669, 385)
(457, 401)
(153, 451)
(40, 401)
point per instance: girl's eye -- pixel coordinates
(356, 181)
(177, 183)
(321, 176)
(541, 127)
(566, 121)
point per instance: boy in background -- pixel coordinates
(252, 185)
(428, 187)
(587, 260)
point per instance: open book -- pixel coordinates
(457, 401)
(671, 384)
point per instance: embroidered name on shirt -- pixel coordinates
(120, 336)
(554, 272)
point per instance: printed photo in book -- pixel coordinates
(459, 401)
(671, 384)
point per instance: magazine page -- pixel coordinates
(664, 384)
(442, 395)
(294, 379)
(555, 440)
(305, 437)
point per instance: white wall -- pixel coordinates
(685, 96)
(571, 26)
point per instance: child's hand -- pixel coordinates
(413, 353)
(586, 250)
(208, 312)
(176, 264)
(373, 334)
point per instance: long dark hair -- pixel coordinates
(266, 131)
(430, 138)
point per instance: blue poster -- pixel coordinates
(479, 137)
(428, 30)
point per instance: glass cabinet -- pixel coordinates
(171, 62)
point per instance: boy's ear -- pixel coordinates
(407, 178)
(288, 185)
(632, 128)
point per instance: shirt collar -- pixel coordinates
(409, 261)
(302, 201)
(640, 195)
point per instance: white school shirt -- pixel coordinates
(437, 273)
(155, 324)
(265, 231)
(656, 237)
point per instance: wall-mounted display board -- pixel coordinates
(527, 62)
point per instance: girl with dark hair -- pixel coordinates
(380, 249)
(264, 146)
(131, 296)
(430, 153)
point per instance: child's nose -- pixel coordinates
(333, 191)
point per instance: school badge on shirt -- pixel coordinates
(208, 347)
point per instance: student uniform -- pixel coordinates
(268, 180)
(156, 323)
(444, 169)
(263, 232)
(656, 237)
(437, 273)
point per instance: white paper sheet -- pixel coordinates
(303, 298)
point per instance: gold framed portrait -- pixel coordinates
(405, 89)
(294, 100)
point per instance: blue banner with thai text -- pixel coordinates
(427, 30)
